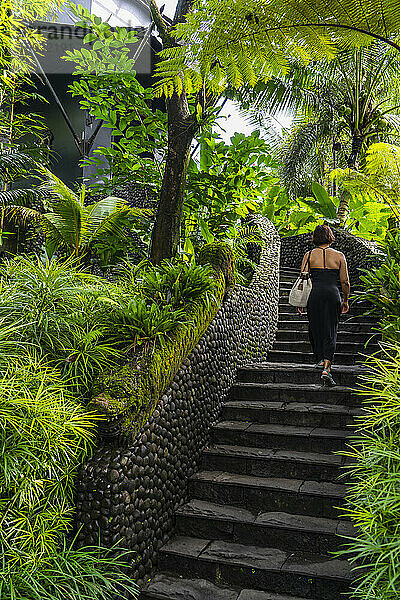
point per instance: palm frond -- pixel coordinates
(15, 164)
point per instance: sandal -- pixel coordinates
(319, 365)
(327, 378)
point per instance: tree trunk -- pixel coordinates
(352, 163)
(181, 131)
(356, 146)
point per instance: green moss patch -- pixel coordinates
(132, 392)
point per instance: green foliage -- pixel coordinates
(380, 178)
(74, 226)
(375, 191)
(133, 390)
(54, 306)
(228, 185)
(373, 494)
(224, 44)
(350, 101)
(45, 434)
(91, 573)
(110, 49)
(381, 287)
(108, 89)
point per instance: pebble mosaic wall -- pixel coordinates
(360, 253)
(130, 493)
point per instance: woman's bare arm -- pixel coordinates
(344, 280)
(304, 263)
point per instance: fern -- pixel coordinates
(266, 34)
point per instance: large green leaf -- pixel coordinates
(323, 204)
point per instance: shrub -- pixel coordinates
(373, 499)
(45, 434)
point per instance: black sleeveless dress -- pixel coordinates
(323, 310)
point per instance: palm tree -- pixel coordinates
(341, 107)
(71, 224)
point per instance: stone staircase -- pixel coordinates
(262, 520)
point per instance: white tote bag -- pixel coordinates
(302, 288)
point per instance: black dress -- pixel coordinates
(323, 311)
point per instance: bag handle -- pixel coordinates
(308, 263)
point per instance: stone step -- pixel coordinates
(269, 372)
(302, 414)
(363, 329)
(202, 519)
(355, 310)
(366, 341)
(241, 566)
(290, 270)
(314, 393)
(285, 356)
(295, 496)
(266, 462)
(282, 437)
(290, 313)
(305, 346)
(169, 587)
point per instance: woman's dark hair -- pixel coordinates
(323, 235)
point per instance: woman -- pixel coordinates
(325, 305)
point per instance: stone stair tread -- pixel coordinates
(297, 387)
(299, 407)
(282, 366)
(303, 321)
(291, 344)
(320, 488)
(297, 355)
(169, 587)
(267, 559)
(267, 453)
(282, 429)
(283, 520)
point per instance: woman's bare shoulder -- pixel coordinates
(338, 253)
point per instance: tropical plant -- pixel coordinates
(227, 184)
(163, 296)
(75, 573)
(73, 225)
(373, 491)
(52, 307)
(45, 434)
(16, 166)
(21, 131)
(178, 284)
(379, 181)
(220, 44)
(340, 107)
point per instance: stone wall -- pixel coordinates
(130, 494)
(360, 253)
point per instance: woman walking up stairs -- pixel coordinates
(263, 515)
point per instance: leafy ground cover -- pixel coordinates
(374, 488)
(61, 327)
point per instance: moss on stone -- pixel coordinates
(133, 391)
(220, 257)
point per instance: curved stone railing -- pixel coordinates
(130, 493)
(360, 253)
